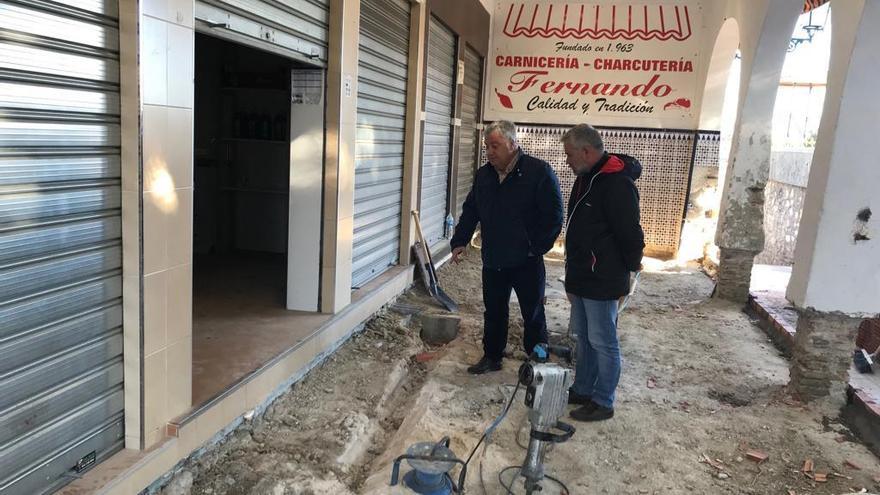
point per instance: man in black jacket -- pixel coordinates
(603, 244)
(516, 200)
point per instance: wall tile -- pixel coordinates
(180, 66)
(156, 8)
(154, 312)
(179, 302)
(155, 221)
(234, 405)
(179, 146)
(188, 439)
(179, 241)
(155, 122)
(155, 391)
(258, 389)
(346, 171)
(181, 12)
(153, 437)
(210, 422)
(131, 138)
(154, 61)
(179, 378)
(344, 239)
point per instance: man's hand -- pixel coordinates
(457, 254)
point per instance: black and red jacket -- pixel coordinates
(603, 239)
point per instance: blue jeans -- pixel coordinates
(598, 351)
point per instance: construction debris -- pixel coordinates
(757, 456)
(808, 466)
(388, 390)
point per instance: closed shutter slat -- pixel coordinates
(381, 129)
(437, 139)
(60, 241)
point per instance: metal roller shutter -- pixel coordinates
(437, 140)
(381, 122)
(61, 391)
(468, 133)
(296, 28)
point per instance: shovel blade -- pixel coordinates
(447, 302)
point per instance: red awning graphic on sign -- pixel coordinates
(578, 21)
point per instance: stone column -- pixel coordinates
(740, 233)
(734, 274)
(823, 346)
(837, 257)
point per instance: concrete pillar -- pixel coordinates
(740, 223)
(341, 133)
(413, 137)
(836, 274)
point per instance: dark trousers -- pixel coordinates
(528, 282)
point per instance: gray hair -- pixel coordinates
(583, 135)
(505, 127)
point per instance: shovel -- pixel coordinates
(426, 266)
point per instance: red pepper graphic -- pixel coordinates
(681, 103)
(504, 99)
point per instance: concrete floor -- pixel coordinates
(239, 319)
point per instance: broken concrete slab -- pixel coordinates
(438, 328)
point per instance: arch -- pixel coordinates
(796, 114)
(723, 53)
(717, 113)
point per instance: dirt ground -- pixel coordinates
(701, 387)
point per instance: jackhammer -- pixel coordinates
(546, 387)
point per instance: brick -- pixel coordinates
(424, 357)
(808, 466)
(757, 455)
(868, 337)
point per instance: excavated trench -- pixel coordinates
(322, 435)
(700, 381)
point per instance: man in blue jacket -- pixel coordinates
(603, 244)
(516, 200)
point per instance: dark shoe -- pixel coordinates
(484, 365)
(580, 399)
(592, 412)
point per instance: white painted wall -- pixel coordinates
(832, 272)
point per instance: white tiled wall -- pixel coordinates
(167, 43)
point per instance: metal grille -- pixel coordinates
(436, 143)
(61, 391)
(665, 158)
(381, 122)
(708, 148)
(468, 140)
(297, 27)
